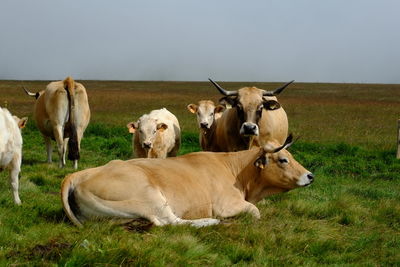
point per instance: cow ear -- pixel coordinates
(192, 108)
(261, 162)
(132, 126)
(162, 126)
(227, 101)
(271, 104)
(219, 109)
(22, 122)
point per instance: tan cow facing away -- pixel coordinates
(11, 148)
(207, 114)
(156, 135)
(189, 189)
(254, 119)
(62, 113)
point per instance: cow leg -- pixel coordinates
(163, 215)
(65, 145)
(49, 149)
(58, 134)
(236, 207)
(14, 172)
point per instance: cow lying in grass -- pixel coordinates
(190, 189)
(157, 135)
(11, 147)
(207, 118)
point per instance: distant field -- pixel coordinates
(350, 215)
(362, 114)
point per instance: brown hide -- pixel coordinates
(182, 189)
(61, 112)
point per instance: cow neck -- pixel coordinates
(242, 166)
(208, 135)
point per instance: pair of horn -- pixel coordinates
(277, 91)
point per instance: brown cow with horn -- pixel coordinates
(255, 118)
(190, 189)
(62, 113)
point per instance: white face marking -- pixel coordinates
(205, 115)
(147, 131)
(304, 180)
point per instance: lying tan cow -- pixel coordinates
(207, 118)
(62, 113)
(189, 189)
(11, 147)
(254, 119)
(157, 135)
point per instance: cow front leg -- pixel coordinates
(49, 149)
(236, 207)
(14, 172)
(58, 135)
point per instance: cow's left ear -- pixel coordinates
(227, 101)
(162, 126)
(271, 104)
(219, 109)
(22, 122)
(261, 162)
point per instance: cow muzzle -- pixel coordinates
(147, 145)
(306, 179)
(249, 129)
(204, 125)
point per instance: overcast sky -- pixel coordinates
(227, 40)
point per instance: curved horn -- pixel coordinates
(288, 142)
(35, 95)
(277, 91)
(222, 90)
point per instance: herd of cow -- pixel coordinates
(244, 139)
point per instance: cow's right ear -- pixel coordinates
(192, 108)
(132, 126)
(22, 122)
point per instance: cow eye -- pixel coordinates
(212, 114)
(283, 160)
(154, 131)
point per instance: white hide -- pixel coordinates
(10, 149)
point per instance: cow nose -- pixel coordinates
(310, 176)
(249, 128)
(204, 125)
(146, 144)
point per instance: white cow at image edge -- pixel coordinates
(11, 147)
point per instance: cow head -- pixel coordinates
(206, 112)
(279, 170)
(147, 128)
(249, 103)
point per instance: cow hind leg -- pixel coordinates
(58, 135)
(49, 149)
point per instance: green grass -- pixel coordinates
(350, 215)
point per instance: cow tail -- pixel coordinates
(73, 147)
(68, 200)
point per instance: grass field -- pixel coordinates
(349, 216)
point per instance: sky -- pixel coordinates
(351, 41)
